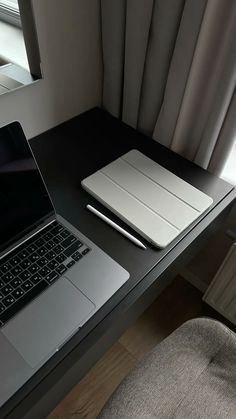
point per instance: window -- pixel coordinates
(9, 12)
(229, 171)
(19, 50)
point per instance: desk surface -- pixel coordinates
(67, 154)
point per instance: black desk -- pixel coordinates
(67, 154)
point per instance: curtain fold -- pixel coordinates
(159, 52)
(210, 84)
(138, 23)
(170, 72)
(113, 17)
(181, 63)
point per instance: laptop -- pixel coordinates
(152, 200)
(52, 277)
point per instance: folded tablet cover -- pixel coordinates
(152, 200)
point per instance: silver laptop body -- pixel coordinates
(32, 335)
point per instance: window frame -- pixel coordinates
(10, 13)
(30, 37)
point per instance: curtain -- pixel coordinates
(170, 72)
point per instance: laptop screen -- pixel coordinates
(24, 200)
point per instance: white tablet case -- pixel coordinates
(152, 200)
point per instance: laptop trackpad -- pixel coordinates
(39, 329)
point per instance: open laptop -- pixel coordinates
(52, 277)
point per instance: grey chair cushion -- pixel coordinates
(191, 374)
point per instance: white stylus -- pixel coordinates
(116, 227)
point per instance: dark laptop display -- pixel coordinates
(24, 201)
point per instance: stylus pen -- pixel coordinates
(116, 226)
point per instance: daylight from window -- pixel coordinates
(9, 3)
(9, 12)
(229, 171)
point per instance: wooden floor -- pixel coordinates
(178, 303)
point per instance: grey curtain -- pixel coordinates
(170, 72)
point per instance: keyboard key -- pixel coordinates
(1, 296)
(42, 251)
(77, 256)
(25, 264)
(27, 285)
(61, 258)
(48, 236)
(6, 290)
(71, 263)
(40, 242)
(23, 254)
(8, 300)
(2, 308)
(51, 277)
(5, 267)
(67, 242)
(7, 277)
(57, 229)
(18, 293)
(52, 243)
(58, 249)
(15, 261)
(77, 253)
(61, 269)
(42, 262)
(34, 257)
(25, 275)
(36, 278)
(44, 271)
(17, 270)
(85, 251)
(65, 234)
(2, 283)
(53, 264)
(49, 245)
(51, 255)
(34, 268)
(57, 239)
(32, 248)
(72, 249)
(25, 299)
(16, 282)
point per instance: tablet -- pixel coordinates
(152, 200)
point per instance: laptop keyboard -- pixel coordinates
(35, 265)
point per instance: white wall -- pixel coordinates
(69, 41)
